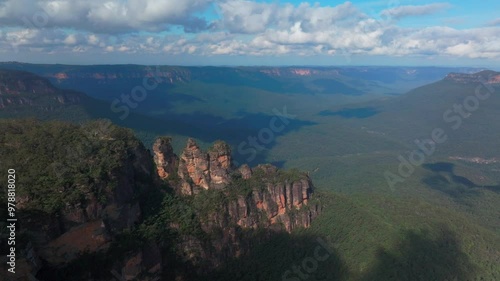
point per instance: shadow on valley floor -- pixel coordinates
(331, 86)
(285, 257)
(251, 135)
(348, 113)
(248, 78)
(446, 181)
(418, 257)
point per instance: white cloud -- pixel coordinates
(123, 49)
(108, 16)
(411, 10)
(243, 28)
(320, 18)
(242, 16)
(92, 39)
(70, 40)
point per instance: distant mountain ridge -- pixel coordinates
(485, 76)
(345, 80)
(428, 227)
(19, 88)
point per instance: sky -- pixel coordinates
(251, 32)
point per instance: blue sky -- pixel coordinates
(246, 32)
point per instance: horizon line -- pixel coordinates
(259, 65)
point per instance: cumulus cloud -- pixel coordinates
(247, 16)
(70, 40)
(242, 27)
(411, 10)
(111, 16)
(242, 16)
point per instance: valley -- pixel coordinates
(344, 127)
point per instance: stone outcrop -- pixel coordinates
(245, 171)
(262, 190)
(199, 170)
(277, 200)
(268, 207)
(261, 200)
(165, 159)
(194, 168)
(219, 156)
(222, 212)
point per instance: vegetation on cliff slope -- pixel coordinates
(58, 163)
(60, 166)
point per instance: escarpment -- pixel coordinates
(282, 199)
(484, 77)
(282, 196)
(80, 192)
(201, 171)
(233, 203)
(19, 89)
(95, 203)
(165, 159)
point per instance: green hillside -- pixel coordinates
(441, 222)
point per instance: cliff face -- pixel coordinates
(173, 75)
(71, 77)
(19, 88)
(253, 192)
(165, 159)
(105, 204)
(17, 82)
(83, 200)
(282, 201)
(201, 171)
(194, 169)
(220, 164)
(235, 202)
(487, 77)
(291, 72)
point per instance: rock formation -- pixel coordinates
(199, 170)
(165, 159)
(245, 171)
(194, 168)
(103, 210)
(219, 156)
(238, 202)
(112, 210)
(261, 190)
